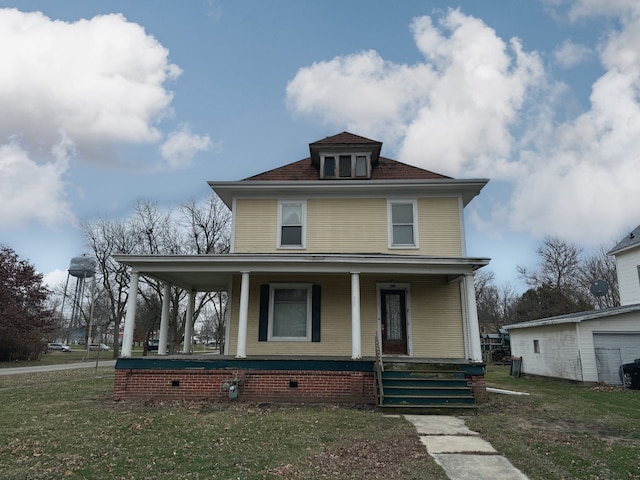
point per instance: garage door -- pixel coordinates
(612, 350)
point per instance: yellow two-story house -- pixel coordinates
(345, 261)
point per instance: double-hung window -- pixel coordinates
(403, 225)
(290, 312)
(291, 224)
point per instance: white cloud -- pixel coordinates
(612, 8)
(56, 279)
(181, 146)
(31, 191)
(69, 91)
(480, 106)
(582, 180)
(99, 80)
(570, 54)
(450, 113)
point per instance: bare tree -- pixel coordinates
(558, 268)
(495, 304)
(194, 228)
(207, 225)
(106, 238)
(562, 280)
(600, 266)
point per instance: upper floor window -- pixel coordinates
(402, 223)
(348, 165)
(291, 224)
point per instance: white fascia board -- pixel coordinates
(319, 263)
(467, 188)
(576, 317)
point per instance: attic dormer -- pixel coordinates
(345, 156)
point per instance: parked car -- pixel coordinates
(99, 346)
(58, 347)
(630, 374)
(152, 345)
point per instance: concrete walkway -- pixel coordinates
(461, 452)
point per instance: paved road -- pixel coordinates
(53, 368)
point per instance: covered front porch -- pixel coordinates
(420, 311)
(435, 296)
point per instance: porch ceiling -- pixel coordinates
(213, 272)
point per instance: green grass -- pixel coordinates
(79, 354)
(76, 355)
(562, 430)
(65, 425)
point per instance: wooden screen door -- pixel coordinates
(393, 321)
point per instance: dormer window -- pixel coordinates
(345, 166)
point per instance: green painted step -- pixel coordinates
(426, 374)
(421, 391)
(413, 387)
(429, 409)
(426, 400)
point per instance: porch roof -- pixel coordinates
(213, 272)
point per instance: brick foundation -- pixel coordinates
(296, 386)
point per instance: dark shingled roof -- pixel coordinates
(629, 241)
(381, 168)
(386, 169)
(346, 138)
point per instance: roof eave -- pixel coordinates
(467, 188)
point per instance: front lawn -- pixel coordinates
(562, 430)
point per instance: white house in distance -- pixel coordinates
(587, 346)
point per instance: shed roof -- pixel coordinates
(578, 317)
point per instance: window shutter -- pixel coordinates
(263, 325)
(315, 313)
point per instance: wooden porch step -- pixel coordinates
(412, 387)
(424, 374)
(393, 399)
(411, 391)
(462, 409)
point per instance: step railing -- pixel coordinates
(379, 369)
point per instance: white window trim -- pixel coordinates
(353, 165)
(303, 239)
(415, 244)
(272, 288)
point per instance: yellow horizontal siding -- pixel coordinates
(335, 323)
(436, 317)
(255, 225)
(343, 225)
(349, 225)
(439, 226)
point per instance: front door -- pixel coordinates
(393, 321)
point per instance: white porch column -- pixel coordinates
(356, 341)
(130, 319)
(243, 314)
(188, 326)
(472, 318)
(164, 320)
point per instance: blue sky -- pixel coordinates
(107, 102)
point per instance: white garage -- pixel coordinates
(587, 346)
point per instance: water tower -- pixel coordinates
(81, 268)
